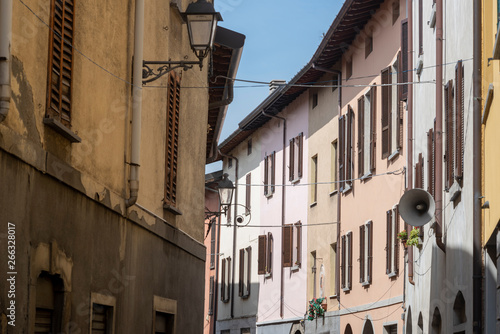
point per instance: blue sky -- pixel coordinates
(281, 37)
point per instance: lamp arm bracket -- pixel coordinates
(160, 68)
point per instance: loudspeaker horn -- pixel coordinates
(417, 207)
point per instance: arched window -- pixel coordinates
(409, 323)
(368, 329)
(348, 329)
(436, 322)
(420, 324)
(49, 303)
(459, 316)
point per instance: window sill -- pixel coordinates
(335, 192)
(245, 297)
(313, 204)
(346, 189)
(268, 196)
(393, 274)
(268, 275)
(346, 289)
(455, 191)
(366, 177)
(295, 267)
(295, 181)
(172, 209)
(393, 155)
(58, 127)
(496, 49)
(365, 284)
(226, 301)
(333, 296)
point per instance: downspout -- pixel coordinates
(5, 56)
(409, 170)
(438, 229)
(136, 104)
(234, 228)
(283, 181)
(476, 181)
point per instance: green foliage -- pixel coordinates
(315, 308)
(413, 239)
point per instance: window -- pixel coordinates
(333, 168)
(49, 303)
(269, 174)
(348, 150)
(365, 253)
(212, 245)
(368, 45)
(342, 148)
(314, 100)
(265, 259)
(164, 323)
(392, 111)
(225, 276)
(296, 153)
(292, 245)
(346, 263)
(348, 69)
(404, 58)
(392, 245)
(391, 329)
(419, 172)
(245, 331)
(102, 318)
(171, 144)
(366, 133)
(211, 296)
(249, 147)
(248, 193)
(431, 157)
(314, 179)
(333, 269)
(245, 265)
(454, 133)
(60, 76)
(230, 163)
(335, 82)
(314, 270)
(395, 11)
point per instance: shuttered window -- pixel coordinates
(386, 113)
(225, 279)
(292, 245)
(419, 172)
(49, 303)
(404, 58)
(392, 245)
(59, 105)
(314, 179)
(431, 162)
(362, 255)
(341, 158)
(459, 120)
(334, 167)
(265, 255)
(212, 246)
(346, 266)
(248, 193)
(365, 252)
(269, 174)
(172, 140)
(296, 157)
(366, 133)
(361, 136)
(287, 245)
(449, 134)
(102, 319)
(244, 273)
(420, 27)
(349, 148)
(373, 128)
(211, 296)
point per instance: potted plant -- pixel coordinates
(413, 239)
(316, 308)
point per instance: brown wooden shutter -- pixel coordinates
(369, 230)
(273, 172)
(349, 271)
(401, 112)
(269, 255)
(399, 76)
(242, 270)
(261, 265)
(361, 253)
(349, 146)
(291, 161)
(287, 245)
(212, 245)
(228, 285)
(430, 162)
(300, 138)
(211, 296)
(343, 263)
(59, 92)
(388, 243)
(341, 157)
(396, 240)
(172, 141)
(248, 193)
(266, 175)
(399, 108)
(373, 129)
(223, 280)
(361, 135)
(249, 276)
(419, 177)
(459, 120)
(449, 148)
(420, 27)
(299, 242)
(404, 58)
(386, 112)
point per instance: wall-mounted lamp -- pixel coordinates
(201, 19)
(225, 189)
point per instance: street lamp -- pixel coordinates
(201, 19)
(226, 189)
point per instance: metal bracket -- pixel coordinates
(161, 68)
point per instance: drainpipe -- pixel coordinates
(136, 104)
(438, 229)
(476, 181)
(234, 227)
(5, 56)
(409, 170)
(282, 283)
